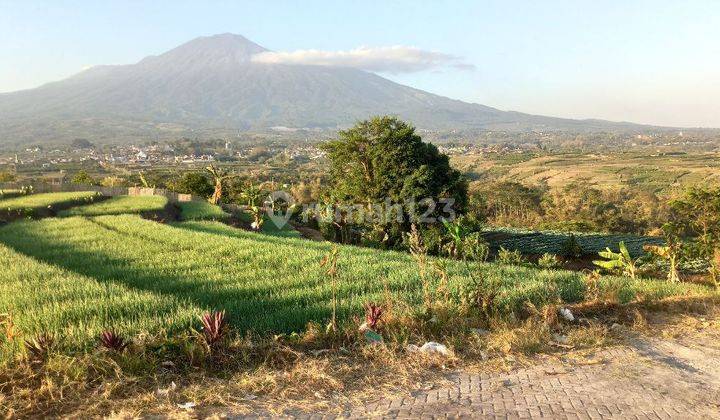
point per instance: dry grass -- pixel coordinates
(315, 371)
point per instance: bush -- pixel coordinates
(549, 261)
(572, 248)
(195, 183)
(570, 287)
(625, 295)
(509, 257)
(475, 247)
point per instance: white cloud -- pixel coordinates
(396, 59)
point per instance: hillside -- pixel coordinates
(211, 84)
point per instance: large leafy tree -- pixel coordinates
(698, 212)
(195, 183)
(384, 159)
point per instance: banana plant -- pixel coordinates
(219, 176)
(618, 261)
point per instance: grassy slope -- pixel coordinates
(269, 227)
(120, 205)
(201, 210)
(77, 276)
(35, 201)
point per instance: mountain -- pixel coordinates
(210, 83)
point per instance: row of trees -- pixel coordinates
(578, 206)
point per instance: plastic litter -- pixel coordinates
(430, 347)
(565, 313)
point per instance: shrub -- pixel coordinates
(215, 327)
(39, 347)
(509, 257)
(475, 247)
(111, 340)
(373, 313)
(548, 260)
(626, 294)
(572, 248)
(570, 287)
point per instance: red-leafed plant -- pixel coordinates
(111, 340)
(215, 327)
(39, 347)
(373, 313)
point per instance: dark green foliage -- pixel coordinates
(571, 247)
(383, 159)
(81, 144)
(196, 183)
(563, 243)
(698, 213)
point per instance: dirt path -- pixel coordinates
(648, 378)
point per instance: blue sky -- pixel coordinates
(643, 61)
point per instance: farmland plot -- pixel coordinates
(78, 276)
(120, 205)
(44, 204)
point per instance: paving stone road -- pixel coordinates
(648, 379)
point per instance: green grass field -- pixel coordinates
(201, 210)
(269, 227)
(38, 201)
(120, 205)
(75, 277)
(9, 193)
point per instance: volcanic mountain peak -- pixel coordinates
(211, 83)
(222, 49)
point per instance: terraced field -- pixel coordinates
(78, 276)
(120, 205)
(655, 172)
(201, 210)
(46, 204)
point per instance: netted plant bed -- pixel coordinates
(565, 244)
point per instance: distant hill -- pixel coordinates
(211, 84)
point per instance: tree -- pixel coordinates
(82, 177)
(382, 159)
(698, 212)
(7, 177)
(195, 183)
(81, 144)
